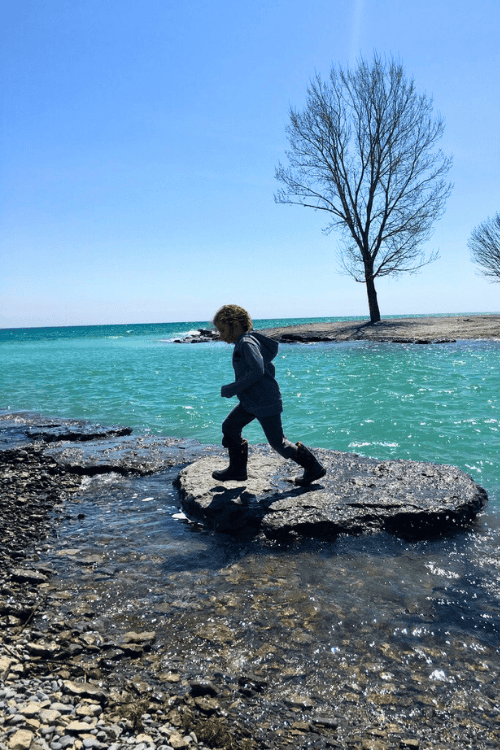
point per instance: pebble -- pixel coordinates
(59, 725)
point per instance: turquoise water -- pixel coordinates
(439, 402)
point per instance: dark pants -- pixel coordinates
(239, 417)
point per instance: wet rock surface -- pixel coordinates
(75, 447)
(357, 495)
(123, 455)
(23, 428)
(224, 676)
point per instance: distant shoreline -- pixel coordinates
(425, 330)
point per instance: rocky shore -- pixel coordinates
(421, 330)
(426, 330)
(67, 684)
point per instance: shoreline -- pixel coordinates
(425, 330)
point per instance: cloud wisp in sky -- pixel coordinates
(356, 33)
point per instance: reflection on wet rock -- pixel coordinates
(358, 494)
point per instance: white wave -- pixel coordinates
(180, 336)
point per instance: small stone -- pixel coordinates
(63, 708)
(299, 701)
(177, 741)
(83, 689)
(21, 740)
(77, 727)
(372, 744)
(386, 699)
(326, 721)
(15, 719)
(45, 650)
(206, 704)
(28, 576)
(33, 724)
(91, 709)
(133, 637)
(132, 649)
(302, 726)
(39, 744)
(140, 686)
(170, 676)
(413, 744)
(33, 709)
(5, 664)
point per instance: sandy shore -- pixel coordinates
(425, 330)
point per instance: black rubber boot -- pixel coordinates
(313, 470)
(237, 469)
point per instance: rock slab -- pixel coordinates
(357, 495)
(419, 330)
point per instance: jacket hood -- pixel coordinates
(269, 347)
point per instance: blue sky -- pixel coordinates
(139, 141)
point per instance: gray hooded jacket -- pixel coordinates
(255, 384)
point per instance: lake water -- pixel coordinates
(374, 612)
(439, 403)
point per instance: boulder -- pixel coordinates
(358, 494)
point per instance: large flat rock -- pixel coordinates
(123, 455)
(358, 494)
(420, 330)
(82, 447)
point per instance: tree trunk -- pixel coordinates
(372, 299)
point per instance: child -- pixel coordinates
(259, 398)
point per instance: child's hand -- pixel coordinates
(225, 391)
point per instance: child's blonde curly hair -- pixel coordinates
(231, 314)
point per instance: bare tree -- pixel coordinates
(363, 150)
(484, 244)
